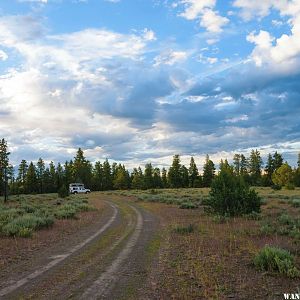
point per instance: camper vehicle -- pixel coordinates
(78, 188)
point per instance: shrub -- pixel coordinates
(28, 222)
(220, 219)
(267, 229)
(253, 216)
(188, 205)
(295, 202)
(276, 260)
(63, 192)
(184, 229)
(230, 195)
(276, 187)
(285, 219)
(290, 186)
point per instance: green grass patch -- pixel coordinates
(278, 260)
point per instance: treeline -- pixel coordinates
(40, 178)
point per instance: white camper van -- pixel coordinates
(78, 188)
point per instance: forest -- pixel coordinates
(32, 178)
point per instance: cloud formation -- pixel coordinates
(143, 94)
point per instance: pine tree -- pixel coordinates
(208, 172)
(107, 176)
(98, 176)
(237, 164)
(277, 160)
(23, 168)
(164, 178)
(31, 180)
(52, 185)
(82, 169)
(269, 169)
(148, 176)
(121, 179)
(184, 172)
(255, 164)
(193, 172)
(59, 177)
(4, 166)
(174, 174)
(40, 170)
(157, 181)
(137, 179)
(298, 162)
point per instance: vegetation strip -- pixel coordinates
(59, 258)
(104, 282)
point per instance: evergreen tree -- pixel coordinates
(59, 178)
(184, 172)
(52, 171)
(137, 179)
(40, 172)
(148, 177)
(298, 162)
(31, 180)
(255, 164)
(269, 169)
(164, 178)
(23, 168)
(193, 173)
(121, 178)
(174, 174)
(68, 173)
(107, 176)
(237, 164)
(4, 167)
(98, 176)
(157, 182)
(208, 172)
(277, 161)
(82, 169)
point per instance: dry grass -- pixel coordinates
(215, 260)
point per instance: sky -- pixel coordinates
(138, 81)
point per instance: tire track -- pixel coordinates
(58, 258)
(102, 286)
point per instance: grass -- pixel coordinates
(24, 214)
(216, 259)
(276, 260)
(184, 229)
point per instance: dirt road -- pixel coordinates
(108, 261)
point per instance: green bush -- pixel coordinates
(267, 229)
(276, 187)
(285, 219)
(290, 186)
(188, 205)
(184, 229)
(253, 216)
(219, 219)
(230, 195)
(276, 260)
(63, 192)
(23, 224)
(295, 202)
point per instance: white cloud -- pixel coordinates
(203, 10)
(212, 21)
(194, 8)
(3, 55)
(170, 58)
(282, 53)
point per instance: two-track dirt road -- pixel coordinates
(108, 261)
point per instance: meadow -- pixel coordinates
(24, 214)
(215, 257)
(195, 254)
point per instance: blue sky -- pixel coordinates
(138, 81)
